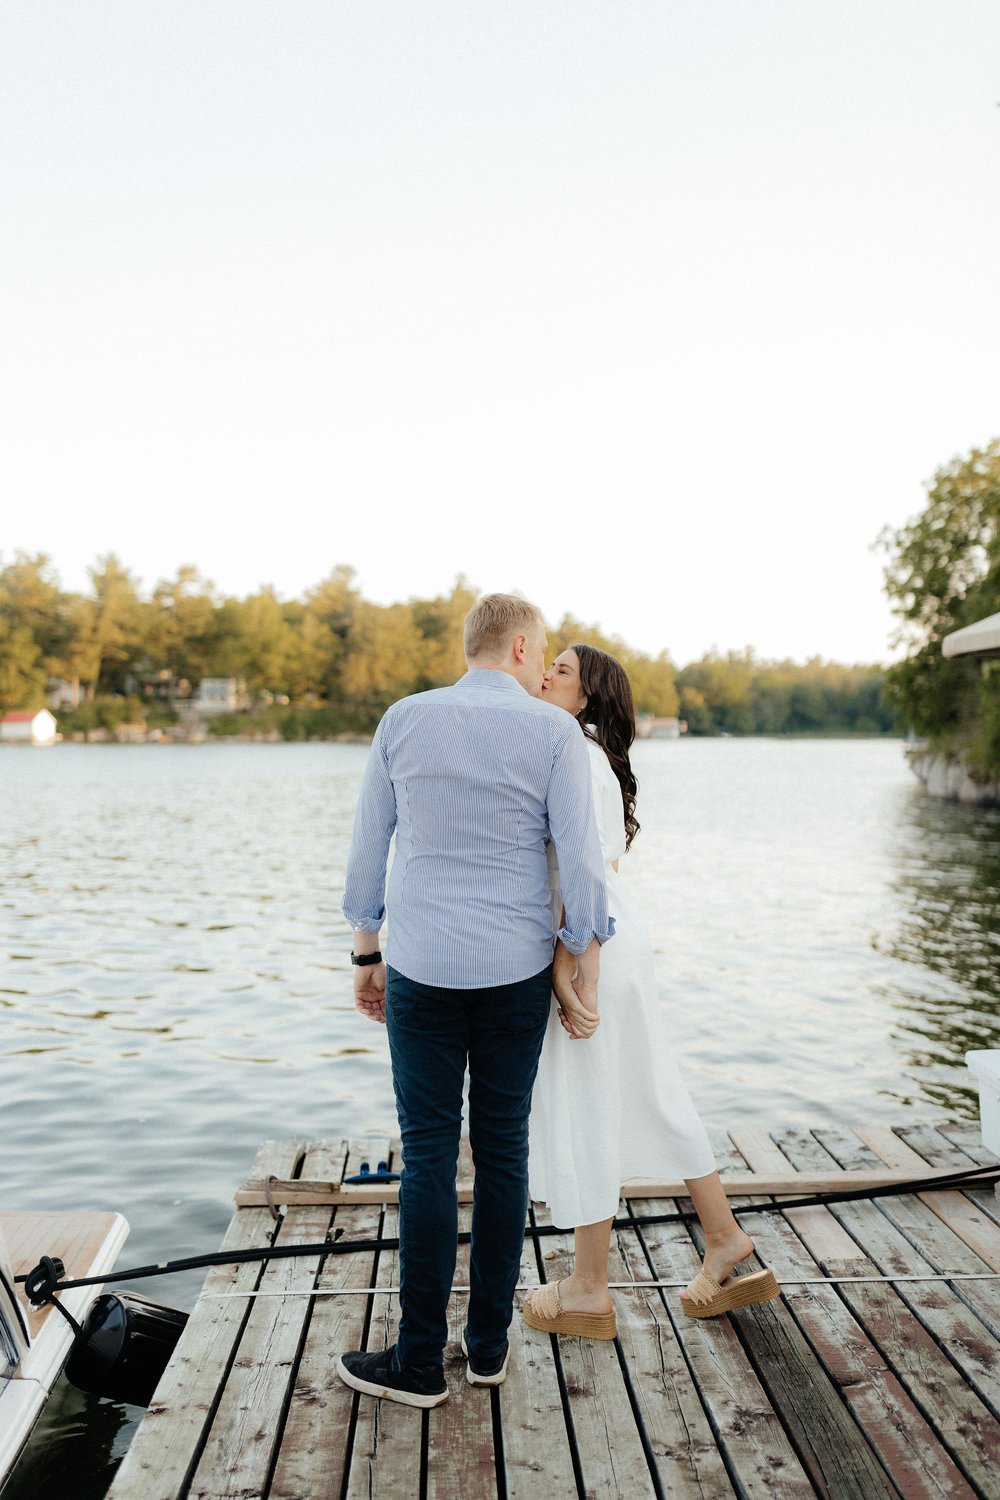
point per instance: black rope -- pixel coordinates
(46, 1279)
(43, 1282)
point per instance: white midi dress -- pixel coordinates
(613, 1106)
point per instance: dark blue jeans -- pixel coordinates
(433, 1034)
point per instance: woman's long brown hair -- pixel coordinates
(609, 720)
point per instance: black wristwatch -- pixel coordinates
(366, 958)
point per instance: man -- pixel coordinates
(474, 780)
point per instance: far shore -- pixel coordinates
(274, 737)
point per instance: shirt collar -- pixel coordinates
(491, 677)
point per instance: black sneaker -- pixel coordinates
(374, 1374)
(486, 1371)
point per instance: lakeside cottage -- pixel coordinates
(28, 727)
(649, 727)
(219, 695)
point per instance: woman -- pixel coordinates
(614, 1106)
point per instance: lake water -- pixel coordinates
(176, 988)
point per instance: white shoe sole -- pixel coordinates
(497, 1379)
(387, 1392)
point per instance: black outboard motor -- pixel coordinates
(124, 1348)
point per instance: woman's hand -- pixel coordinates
(576, 995)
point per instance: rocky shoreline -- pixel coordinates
(948, 777)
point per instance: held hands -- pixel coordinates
(369, 991)
(574, 980)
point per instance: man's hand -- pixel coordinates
(574, 980)
(369, 991)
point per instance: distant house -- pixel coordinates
(648, 727)
(220, 695)
(61, 692)
(31, 727)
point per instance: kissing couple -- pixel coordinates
(512, 802)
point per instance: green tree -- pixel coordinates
(439, 623)
(30, 597)
(258, 643)
(326, 628)
(695, 710)
(184, 630)
(726, 685)
(654, 683)
(385, 660)
(944, 572)
(120, 628)
(22, 672)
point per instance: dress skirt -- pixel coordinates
(613, 1106)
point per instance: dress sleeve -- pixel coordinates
(608, 807)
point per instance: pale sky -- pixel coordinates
(656, 312)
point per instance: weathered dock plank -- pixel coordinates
(850, 1390)
(316, 1440)
(936, 1144)
(903, 1440)
(679, 1435)
(461, 1458)
(962, 1217)
(389, 1453)
(242, 1446)
(897, 1319)
(537, 1455)
(829, 1441)
(756, 1449)
(166, 1448)
(609, 1445)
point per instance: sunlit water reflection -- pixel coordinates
(176, 983)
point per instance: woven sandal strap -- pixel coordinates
(546, 1301)
(703, 1288)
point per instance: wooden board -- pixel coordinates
(608, 1442)
(679, 1435)
(538, 1455)
(316, 1441)
(856, 1391)
(896, 1319)
(165, 1451)
(807, 1241)
(755, 1447)
(254, 1194)
(389, 1450)
(461, 1453)
(242, 1445)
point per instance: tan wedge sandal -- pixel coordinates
(545, 1312)
(705, 1298)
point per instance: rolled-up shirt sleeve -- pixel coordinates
(364, 889)
(573, 828)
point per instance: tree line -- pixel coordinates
(333, 660)
(943, 572)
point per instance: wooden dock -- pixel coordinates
(887, 1384)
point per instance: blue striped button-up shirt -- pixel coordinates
(474, 780)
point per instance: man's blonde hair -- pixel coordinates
(492, 624)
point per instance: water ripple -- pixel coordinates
(177, 985)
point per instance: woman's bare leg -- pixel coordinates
(726, 1244)
(586, 1289)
